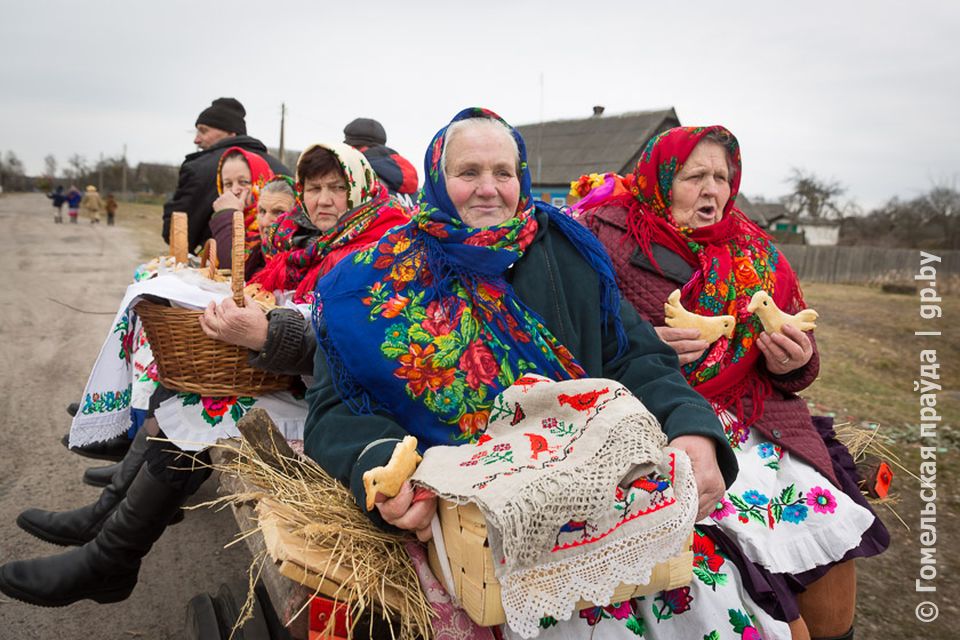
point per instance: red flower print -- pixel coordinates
(750, 633)
(438, 322)
(394, 306)
(416, 367)
(215, 407)
(705, 552)
(396, 243)
(677, 599)
(486, 238)
(527, 233)
(471, 423)
(480, 365)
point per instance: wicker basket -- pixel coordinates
(187, 360)
(476, 586)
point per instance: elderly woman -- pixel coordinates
(91, 204)
(794, 510)
(345, 208)
(240, 177)
(508, 287)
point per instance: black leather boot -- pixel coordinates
(101, 476)
(81, 525)
(113, 449)
(106, 568)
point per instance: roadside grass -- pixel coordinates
(870, 358)
(146, 221)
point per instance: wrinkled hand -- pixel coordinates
(686, 342)
(402, 512)
(785, 352)
(706, 472)
(229, 201)
(244, 326)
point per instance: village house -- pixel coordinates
(561, 151)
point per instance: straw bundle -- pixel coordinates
(364, 566)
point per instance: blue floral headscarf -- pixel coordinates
(424, 324)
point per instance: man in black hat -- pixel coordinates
(368, 137)
(219, 127)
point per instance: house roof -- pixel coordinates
(563, 150)
(752, 210)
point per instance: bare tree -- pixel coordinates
(78, 167)
(814, 197)
(11, 172)
(50, 166)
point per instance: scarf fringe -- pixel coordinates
(351, 392)
(754, 387)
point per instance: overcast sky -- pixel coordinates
(866, 93)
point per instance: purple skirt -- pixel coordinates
(777, 593)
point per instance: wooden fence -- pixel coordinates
(867, 265)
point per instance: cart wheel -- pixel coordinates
(202, 621)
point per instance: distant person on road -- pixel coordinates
(73, 203)
(111, 207)
(219, 127)
(369, 137)
(92, 204)
(58, 197)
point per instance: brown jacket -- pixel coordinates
(785, 420)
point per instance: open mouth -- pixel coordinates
(707, 211)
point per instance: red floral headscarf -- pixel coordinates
(260, 173)
(732, 260)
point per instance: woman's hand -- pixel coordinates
(402, 512)
(686, 342)
(229, 201)
(244, 326)
(787, 351)
(706, 472)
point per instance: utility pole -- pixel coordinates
(283, 117)
(123, 179)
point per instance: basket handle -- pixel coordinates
(208, 257)
(178, 237)
(237, 257)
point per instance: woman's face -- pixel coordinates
(235, 177)
(325, 198)
(270, 206)
(702, 187)
(481, 177)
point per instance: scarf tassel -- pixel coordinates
(353, 394)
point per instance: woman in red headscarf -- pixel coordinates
(240, 176)
(795, 511)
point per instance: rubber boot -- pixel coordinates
(101, 476)
(106, 568)
(79, 526)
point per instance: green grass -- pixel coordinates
(146, 221)
(870, 358)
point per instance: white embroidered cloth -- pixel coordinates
(578, 490)
(105, 408)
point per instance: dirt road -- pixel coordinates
(61, 286)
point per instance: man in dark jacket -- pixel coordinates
(368, 137)
(219, 127)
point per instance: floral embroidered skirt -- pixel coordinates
(782, 513)
(194, 422)
(715, 606)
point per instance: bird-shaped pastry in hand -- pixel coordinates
(773, 318)
(711, 327)
(388, 480)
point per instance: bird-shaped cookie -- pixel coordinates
(388, 480)
(711, 327)
(773, 318)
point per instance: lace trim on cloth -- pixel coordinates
(554, 589)
(597, 502)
